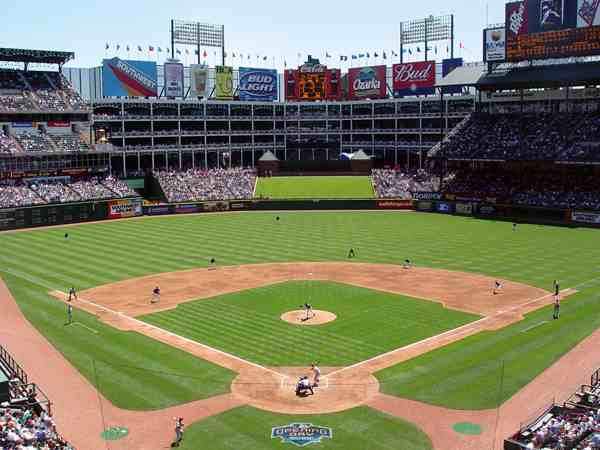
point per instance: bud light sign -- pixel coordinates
(414, 78)
(258, 85)
(367, 82)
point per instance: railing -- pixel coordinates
(12, 365)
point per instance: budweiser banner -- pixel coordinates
(416, 78)
(367, 83)
(258, 84)
(517, 20)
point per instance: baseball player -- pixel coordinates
(351, 253)
(309, 311)
(304, 386)
(556, 313)
(178, 432)
(514, 226)
(155, 295)
(69, 314)
(316, 374)
(497, 287)
(407, 264)
(72, 293)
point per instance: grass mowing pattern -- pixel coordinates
(247, 428)
(314, 187)
(105, 252)
(369, 323)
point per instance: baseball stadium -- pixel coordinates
(339, 256)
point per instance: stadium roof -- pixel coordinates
(268, 156)
(576, 74)
(35, 56)
(462, 76)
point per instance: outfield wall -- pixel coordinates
(60, 214)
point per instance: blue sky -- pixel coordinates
(276, 29)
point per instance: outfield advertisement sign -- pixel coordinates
(173, 79)
(394, 204)
(123, 78)
(465, 209)
(367, 83)
(118, 209)
(417, 78)
(427, 196)
(258, 84)
(424, 206)
(224, 83)
(198, 80)
(586, 217)
(187, 209)
(301, 434)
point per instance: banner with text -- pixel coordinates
(173, 73)
(416, 78)
(224, 83)
(494, 44)
(258, 85)
(121, 78)
(585, 217)
(367, 83)
(124, 208)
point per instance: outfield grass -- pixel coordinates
(247, 428)
(314, 187)
(41, 260)
(368, 323)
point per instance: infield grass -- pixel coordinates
(369, 323)
(314, 187)
(362, 428)
(37, 261)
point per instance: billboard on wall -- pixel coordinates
(224, 83)
(367, 83)
(258, 84)
(417, 78)
(494, 44)
(588, 13)
(290, 78)
(198, 80)
(124, 208)
(448, 65)
(544, 29)
(334, 85)
(124, 78)
(173, 76)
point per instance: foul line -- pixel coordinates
(534, 326)
(444, 334)
(85, 326)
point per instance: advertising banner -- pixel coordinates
(333, 84)
(367, 83)
(424, 206)
(517, 20)
(158, 210)
(198, 80)
(312, 86)
(224, 83)
(173, 79)
(187, 209)
(121, 78)
(494, 45)
(124, 208)
(291, 81)
(258, 85)
(487, 210)
(448, 65)
(394, 204)
(427, 196)
(444, 208)
(215, 206)
(59, 124)
(465, 209)
(585, 217)
(588, 13)
(416, 78)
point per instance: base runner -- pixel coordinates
(155, 295)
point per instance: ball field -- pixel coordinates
(135, 369)
(308, 187)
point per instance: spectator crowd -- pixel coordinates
(215, 184)
(19, 194)
(27, 427)
(395, 183)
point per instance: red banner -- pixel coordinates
(291, 82)
(416, 78)
(333, 83)
(367, 82)
(58, 124)
(517, 20)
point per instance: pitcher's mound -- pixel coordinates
(318, 317)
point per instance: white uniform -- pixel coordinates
(317, 375)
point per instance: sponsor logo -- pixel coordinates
(425, 206)
(464, 208)
(427, 196)
(258, 84)
(444, 207)
(136, 82)
(495, 45)
(367, 80)
(301, 434)
(487, 210)
(313, 68)
(394, 204)
(414, 78)
(584, 217)
(186, 209)
(407, 73)
(517, 19)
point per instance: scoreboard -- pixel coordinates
(312, 86)
(554, 44)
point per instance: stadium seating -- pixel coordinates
(34, 142)
(532, 137)
(392, 183)
(216, 184)
(8, 144)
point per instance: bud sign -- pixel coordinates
(416, 78)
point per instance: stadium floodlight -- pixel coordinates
(198, 34)
(430, 29)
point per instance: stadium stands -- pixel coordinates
(392, 183)
(7, 144)
(216, 184)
